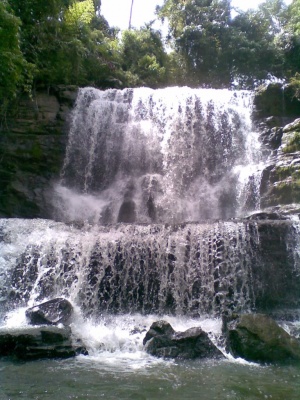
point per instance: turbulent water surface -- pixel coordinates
(92, 378)
(118, 368)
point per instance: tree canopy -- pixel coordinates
(13, 64)
(143, 57)
(221, 46)
(70, 42)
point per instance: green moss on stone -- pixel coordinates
(282, 173)
(293, 144)
(287, 192)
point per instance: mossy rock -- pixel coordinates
(258, 338)
(282, 184)
(292, 143)
(293, 126)
(286, 172)
(285, 192)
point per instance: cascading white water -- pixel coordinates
(169, 155)
(181, 270)
(122, 278)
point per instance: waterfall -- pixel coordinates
(185, 269)
(169, 155)
(152, 220)
(191, 269)
(151, 192)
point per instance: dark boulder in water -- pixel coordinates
(37, 343)
(51, 312)
(258, 338)
(159, 328)
(162, 341)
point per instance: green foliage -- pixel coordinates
(294, 17)
(291, 39)
(290, 171)
(143, 57)
(286, 192)
(199, 33)
(255, 52)
(36, 151)
(275, 14)
(69, 42)
(66, 42)
(176, 69)
(12, 62)
(79, 14)
(218, 50)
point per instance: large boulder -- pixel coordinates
(162, 341)
(37, 343)
(159, 328)
(51, 312)
(257, 337)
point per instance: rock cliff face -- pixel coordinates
(277, 113)
(32, 145)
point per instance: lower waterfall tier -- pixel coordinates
(187, 269)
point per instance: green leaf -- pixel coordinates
(80, 13)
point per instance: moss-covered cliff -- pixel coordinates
(277, 111)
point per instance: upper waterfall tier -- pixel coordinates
(167, 155)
